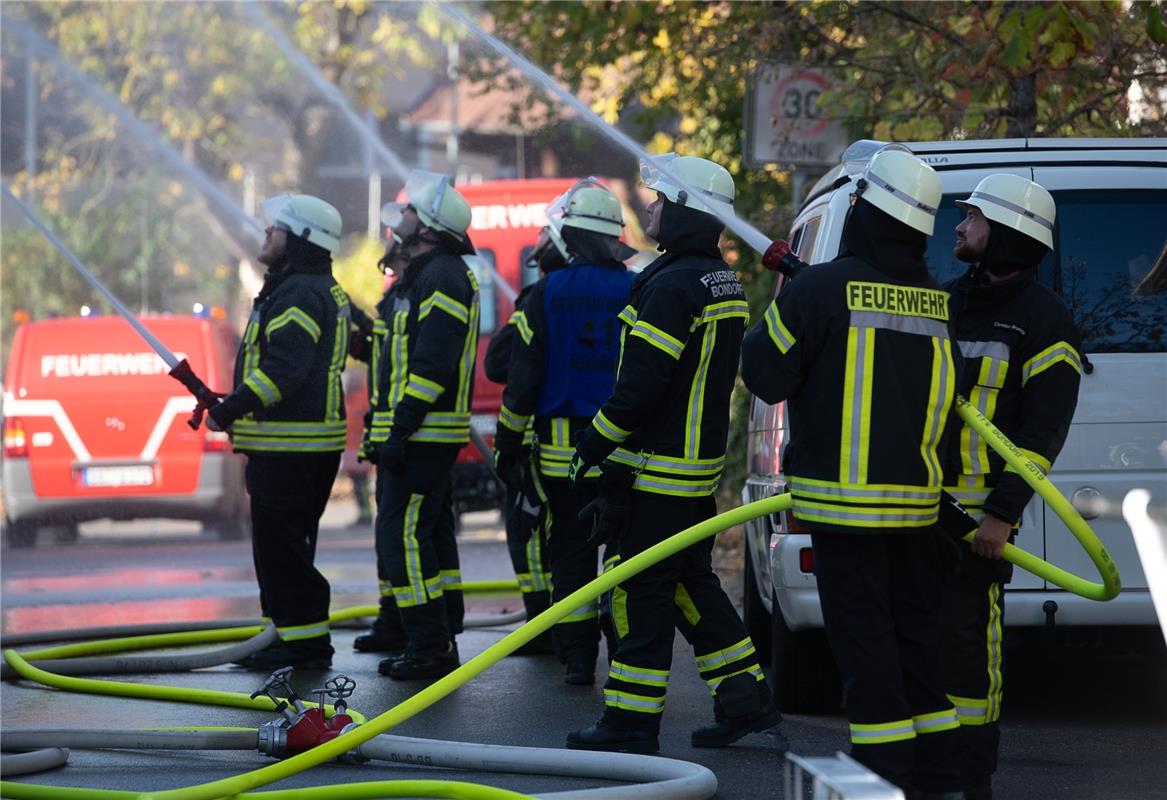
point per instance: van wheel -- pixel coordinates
(67, 533)
(232, 529)
(806, 680)
(20, 535)
(757, 618)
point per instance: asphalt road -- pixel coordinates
(1082, 719)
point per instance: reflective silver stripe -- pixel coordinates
(900, 193)
(875, 734)
(729, 655)
(634, 702)
(970, 710)
(385, 588)
(753, 669)
(413, 568)
(658, 338)
(935, 722)
(779, 334)
(865, 493)
(997, 350)
(941, 403)
(294, 633)
(909, 517)
(697, 394)
(1061, 352)
(1025, 212)
(628, 315)
(861, 395)
(609, 429)
(656, 485)
(645, 677)
(901, 323)
(590, 611)
(706, 466)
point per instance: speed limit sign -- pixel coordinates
(785, 124)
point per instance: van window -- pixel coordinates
(802, 243)
(483, 266)
(1113, 277)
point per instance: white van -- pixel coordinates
(1110, 266)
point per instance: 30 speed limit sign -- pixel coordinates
(786, 124)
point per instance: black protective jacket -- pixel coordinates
(1022, 367)
(424, 347)
(288, 396)
(680, 339)
(860, 349)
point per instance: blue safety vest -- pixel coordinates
(580, 306)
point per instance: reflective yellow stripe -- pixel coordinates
(445, 303)
(883, 732)
(590, 611)
(970, 710)
(633, 702)
(336, 366)
(296, 633)
(1055, 353)
(643, 676)
(685, 604)
(519, 320)
(730, 655)
(415, 593)
(716, 312)
(511, 420)
(993, 638)
(469, 352)
(619, 611)
(753, 669)
(864, 493)
(779, 334)
(667, 344)
(423, 388)
(675, 487)
(974, 451)
(385, 588)
(865, 517)
(628, 315)
(297, 316)
(696, 407)
(684, 467)
(609, 430)
(940, 394)
(263, 387)
(857, 385)
(936, 721)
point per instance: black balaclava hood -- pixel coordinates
(884, 242)
(1010, 251)
(590, 247)
(546, 258)
(300, 256)
(684, 228)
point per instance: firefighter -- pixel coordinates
(860, 348)
(660, 442)
(287, 413)
(524, 512)
(563, 367)
(420, 420)
(1022, 366)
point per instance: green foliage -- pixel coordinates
(357, 272)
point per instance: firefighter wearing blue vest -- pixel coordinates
(420, 419)
(1022, 368)
(563, 367)
(287, 413)
(525, 512)
(860, 348)
(660, 442)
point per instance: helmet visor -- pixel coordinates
(392, 214)
(651, 172)
(557, 211)
(272, 210)
(424, 191)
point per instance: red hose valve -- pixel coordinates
(780, 258)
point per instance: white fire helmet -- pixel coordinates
(1016, 203)
(305, 216)
(689, 181)
(589, 206)
(438, 204)
(903, 187)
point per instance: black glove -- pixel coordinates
(610, 510)
(578, 467)
(358, 342)
(391, 454)
(509, 469)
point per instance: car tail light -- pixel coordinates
(15, 440)
(806, 560)
(216, 442)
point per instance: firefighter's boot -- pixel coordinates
(386, 635)
(420, 665)
(605, 736)
(741, 706)
(314, 653)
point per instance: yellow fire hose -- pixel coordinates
(241, 783)
(1111, 581)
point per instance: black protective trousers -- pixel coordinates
(974, 623)
(682, 593)
(288, 496)
(881, 596)
(527, 547)
(417, 552)
(574, 562)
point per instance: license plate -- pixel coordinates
(485, 424)
(141, 475)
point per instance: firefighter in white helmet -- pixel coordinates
(286, 413)
(860, 349)
(562, 367)
(420, 418)
(660, 441)
(1022, 367)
